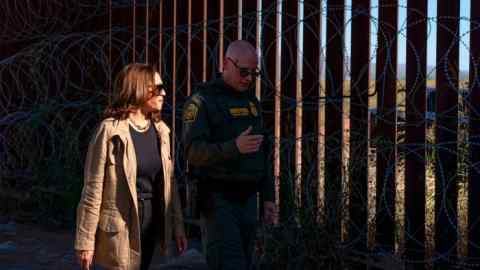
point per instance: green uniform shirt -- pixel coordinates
(213, 118)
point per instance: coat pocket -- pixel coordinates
(111, 241)
(110, 222)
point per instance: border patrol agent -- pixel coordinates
(224, 144)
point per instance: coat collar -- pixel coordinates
(162, 128)
(121, 128)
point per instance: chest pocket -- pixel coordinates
(218, 117)
(231, 117)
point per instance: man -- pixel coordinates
(224, 144)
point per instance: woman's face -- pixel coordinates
(157, 94)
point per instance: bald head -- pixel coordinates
(240, 49)
(239, 65)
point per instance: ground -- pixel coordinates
(35, 247)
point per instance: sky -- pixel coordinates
(402, 18)
(432, 28)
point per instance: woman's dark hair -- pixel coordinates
(131, 91)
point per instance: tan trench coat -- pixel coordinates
(107, 215)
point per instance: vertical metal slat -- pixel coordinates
(415, 141)
(334, 116)
(446, 130)
(359, 84)
(278, 93)
(134, 30)
(474, 136)
(310, 96)
(386, 76)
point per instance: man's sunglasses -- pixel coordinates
(244, 72)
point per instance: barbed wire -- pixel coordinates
(55, 86)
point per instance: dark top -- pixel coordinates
(213, 118)
(149, 162)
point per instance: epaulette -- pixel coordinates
(206, 89)
(199, 87)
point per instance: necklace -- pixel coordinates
(139, 127)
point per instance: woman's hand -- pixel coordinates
(85, 258)
(181, 242)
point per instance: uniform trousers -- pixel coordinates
(229, 228)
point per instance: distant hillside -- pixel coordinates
(431, 72)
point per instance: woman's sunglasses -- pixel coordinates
(157, 89)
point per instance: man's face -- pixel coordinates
(240, 72)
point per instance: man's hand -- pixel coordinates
(181, 242)
(270, 215)
(84, 258)
(247, 143)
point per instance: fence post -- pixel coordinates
(446, 131)
(249, 20)
(288, 104)
(474, 136)
(311, 94)
(212, 34)
(415, 140)
(230, 22)
(269, 66)
(334, 116)
(386, 79)
(359, 85)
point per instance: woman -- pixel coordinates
(129, 199)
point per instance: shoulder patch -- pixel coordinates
(190, 113)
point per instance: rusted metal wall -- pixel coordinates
(304, 110)
(294, 93)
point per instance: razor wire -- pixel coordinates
(55, 86)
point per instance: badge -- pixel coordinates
(253, 109)
(190, 113)
(239, 112)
